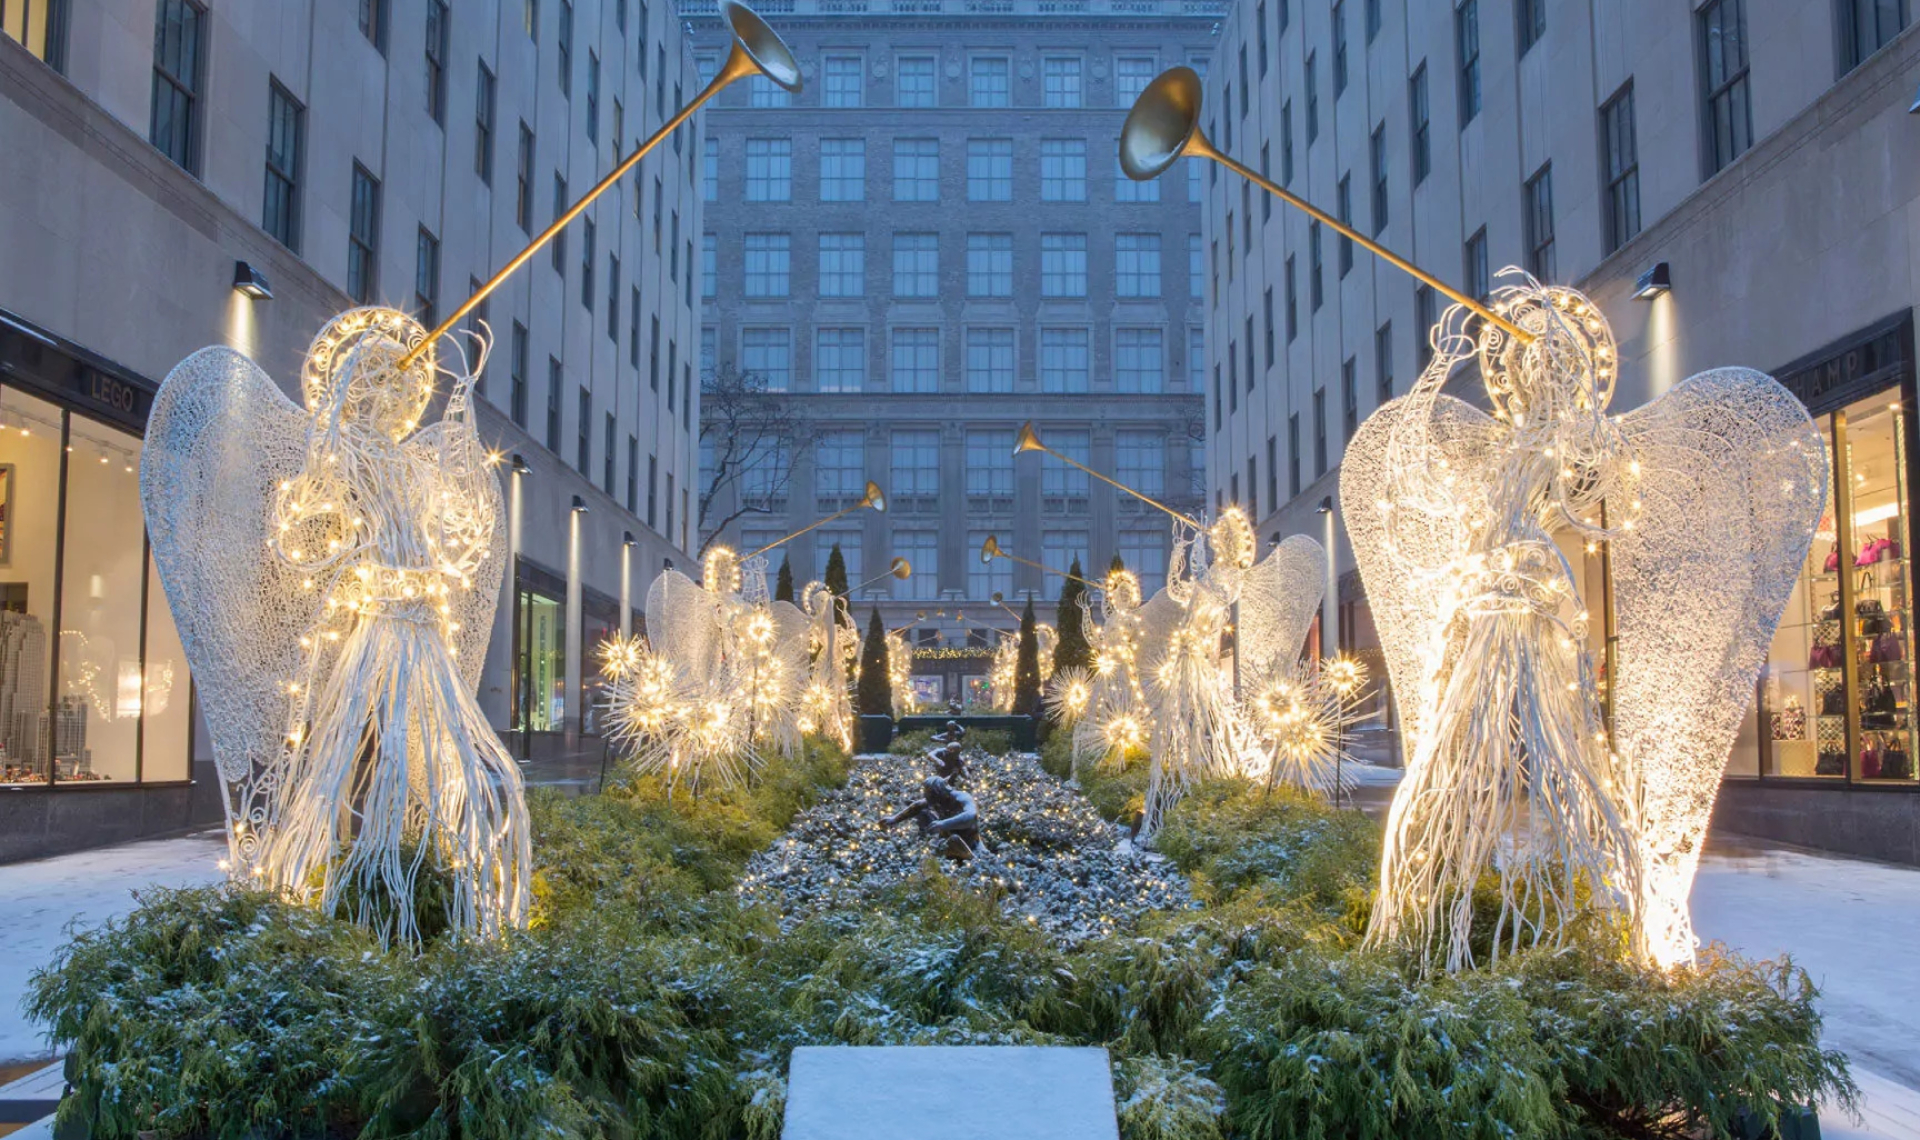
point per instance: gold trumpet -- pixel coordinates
(874, 498)
(1164, 125)
(1030, 441)
(990, 550)
(756, 50)
(899, 568)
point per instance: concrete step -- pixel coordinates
(1008, 1092)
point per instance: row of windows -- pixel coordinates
(1062, 81)
(1139, 358)
(767, 265)
(916, 171)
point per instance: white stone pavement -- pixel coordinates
(1851, 924)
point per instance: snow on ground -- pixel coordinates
(39, 899)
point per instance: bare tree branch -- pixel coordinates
(753, 436)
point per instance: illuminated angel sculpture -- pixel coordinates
(1707, 499)
(333, 571)
(826, 706)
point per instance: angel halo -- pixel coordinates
(1706, 499)
(334, 570)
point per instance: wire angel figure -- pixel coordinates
(334, 573)
(1706, 500)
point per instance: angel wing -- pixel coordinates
(1278, 597)
(221, 438)
(683, 624)
(1402, 554)
(1730, 479)
(463, 459)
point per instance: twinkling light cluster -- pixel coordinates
(729, 676)
(1302, 716)
(333, 571)
(1706, 499)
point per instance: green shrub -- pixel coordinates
(992, 741)
(1292, 848)
(911, 743)
(1167, 1098)
(1056, 754)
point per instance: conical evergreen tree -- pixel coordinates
(1026, 668)
(1071, 651)
(874, 696)
(1116, 564)
(783, 585)
(836, 579)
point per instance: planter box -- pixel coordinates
(876, 733)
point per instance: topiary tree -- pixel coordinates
(874, 696)
(1026, 668)
(783, 585)
(1072, 651)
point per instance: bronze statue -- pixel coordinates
(944, 810)
(952, 734)
(950, 765)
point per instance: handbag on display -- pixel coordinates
(1832, 762)
(1833, 702)
(1895, 763)
(1870, 760)
(1887, 647)
(1833, 561)
(1832, 610)
(1885, 550)
(1790, 721)
(1824, 657)
(1873, 617)
(1877, 708)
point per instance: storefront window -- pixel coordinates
(106, 701)
(543, 663)
(1836, 700)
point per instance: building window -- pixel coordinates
(559, 244)
(426, 278)
(1378, 150)
(768, 354)
(1145, 553)
(1866, 26)
(633, 474)
(1131, 74)
(916, 360)
(990, 360)
(523, 182)
(1063, 170)
(990, 170)
(709, 266)
(583, 437)
(633, 327)
(1063, 265)
(1260, 24)
(1136, 265)
(1060, 81)
(1065, 364)
(1350, 397)
(1316, 292)
(1539, 219)
(1196, 182)
(1343, 204)
(1293, 455)
(839, 468)
(843, 170)
(1421, 125)
(709, 173)
(1373, 19)
(363, 235)
(1064, 489)
(989, 464)
(989, 265)
(653, 359)
(1286, 143)
(843, 265)
(563, 48)
(1140, 458)
(1474, 255)
(916, 170)
(586, 264)
(178, 39)
(915, 462)
(1293, 304)
(653, 492)
(613, 299)
(1339, 47)
(438, 17)
(1127, 190)
(593, 98)
(1313, 100)
(1266, 335)
(769, 170)
(517, 376)
(1723, 41)
(1139, 360)
(373, 23)
(916, 265)
(1621, 168)
(530, 19)
(483, 108)
(1466, 42)
(555, 377)
(1196, 269)
(1424, 318)
(1197, 359)
(1383, 364)
(916, 86)
(840, 359)
(843, 75)
(1319, 432)
(709, 345)
(989, 81)
(769, 260)
(286, 137)
(922, 549)
(761, 91)
(1532, 18)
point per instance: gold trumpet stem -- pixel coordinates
(1045, 569)
(1202, 147)
(1115, 483)
(737, 65)
(810, 526)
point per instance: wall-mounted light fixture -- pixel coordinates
(1915, 109)
(627, 539)
(250, 282)
(519, 464)
(579, 505)
(1653, 282)
(1325, 508)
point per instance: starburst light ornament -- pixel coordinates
(1707, 498)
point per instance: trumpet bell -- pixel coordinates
(990, 549)
(1163, 121)
(1029, 439)
(902, 569)
(876, 498)
(752, 36)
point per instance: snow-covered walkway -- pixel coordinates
(1851, 924)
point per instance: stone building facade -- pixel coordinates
(931, 245)
(1761, 152)
(376, 152)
